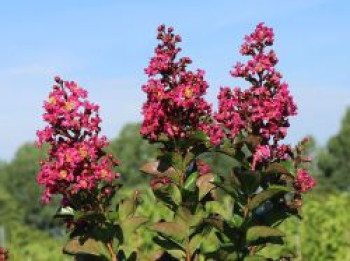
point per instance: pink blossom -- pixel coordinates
(76, 159)
(261, 154)
(175, 105)
(265, 107)
(304, 182)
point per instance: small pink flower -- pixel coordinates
(262, 153)
(304, 182)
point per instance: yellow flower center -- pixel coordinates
(63, 174)
(83, 152)
(52, 100)
(68, 158)
(159, 94)
(69, 106)
(104, 173)
(188, 93)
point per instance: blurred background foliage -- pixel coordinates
(32, 234)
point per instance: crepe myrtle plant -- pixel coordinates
(177, 116)
(83, 174)
(269, 178)
(266, 185)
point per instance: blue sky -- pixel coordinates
(104, 46)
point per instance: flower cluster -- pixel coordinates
(262, 153)
(175, 106)
(304, 182)
(262, 109)
(3, 254)
(76, 159)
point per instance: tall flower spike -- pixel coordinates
(175, 106)
(76, 160)
(265, 107)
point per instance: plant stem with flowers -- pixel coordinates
(266, 185)
(177, 116)
(268, 179)
(83, 174)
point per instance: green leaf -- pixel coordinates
(158, 168)
(216, 207)
(173, 230)
(237, 220)
(199, 136)
(262, 234)
(228, 188)
(226, 253)
(190, 183)
(132, 256)
(169, 194)
(205, 184)
(174, 193)
(277, 168)
(130, 225)
(88, 247)
(126, 208)
(289, 165)
(265, 195)
(195, 242)
(183, 215)
(178, 254)
(255, 258)
(247, 151)
(167, 243)
(113, 215)
(177, 161)
(228, 151)
(163, 138)
(224, 227)
(250, 180)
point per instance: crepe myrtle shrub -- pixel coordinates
(266, 185)
(83, 174)
(176, 115)
(269, 178)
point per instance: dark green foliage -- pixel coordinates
(19, 177)
(334, 161)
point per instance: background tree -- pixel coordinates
(131, 149)
(19, 178)
(334, 160)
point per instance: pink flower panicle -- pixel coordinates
(175, 106)
(304, 182)
(76, 160)
(265, 107)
